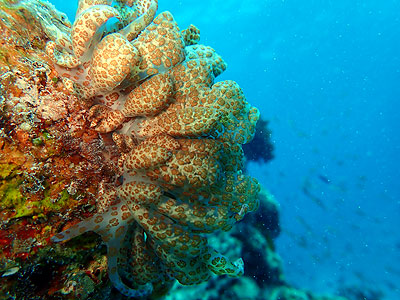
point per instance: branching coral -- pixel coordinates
(152, 88)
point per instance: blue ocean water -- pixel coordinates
(327, 75)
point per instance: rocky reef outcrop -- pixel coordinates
(121, 161)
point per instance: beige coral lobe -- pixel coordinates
(179, 135)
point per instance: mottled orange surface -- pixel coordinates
(50, 163)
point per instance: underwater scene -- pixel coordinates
(215, 150)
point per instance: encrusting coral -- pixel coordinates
(150, 87)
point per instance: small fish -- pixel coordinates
(376, 220)
(316, 258)
(391, 285)
(290, 234)
(10, 271)
(360, 212)
(349, 248)
(360, 276)
(304, 223)
(315, 199)
(391, 270)
(340, 162)
(301, 241)
(324, 179)
(355, 227)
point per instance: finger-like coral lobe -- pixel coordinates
(151, 87)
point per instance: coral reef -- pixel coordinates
(261, 148)
(361, 292)
(116, 120)
(148, 157)
(177, 132)
(264, 277)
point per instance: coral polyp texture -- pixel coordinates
(161, 142)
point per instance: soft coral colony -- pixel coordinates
(178, 174)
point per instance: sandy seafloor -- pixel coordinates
(326, 74)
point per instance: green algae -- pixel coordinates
(23, 211)
(38, 141)
(6, 170)
(46, 135)
(10, 193)
(4, 56)
(12, 198)
(44, 138)
(25, 193)
(47, 144)
(64, 198)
